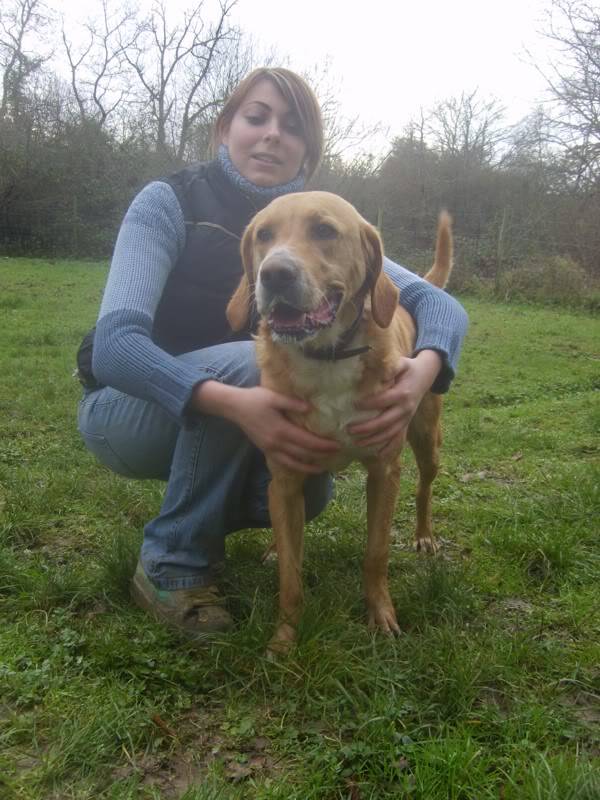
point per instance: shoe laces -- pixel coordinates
(206, 596)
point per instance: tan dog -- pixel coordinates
(331, 332)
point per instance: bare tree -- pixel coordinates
(98, 79)
(467, 126)
(237, 57)
(346, 137)
(574, 84)
(19, 23)
(174, 67)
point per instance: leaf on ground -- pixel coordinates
(481, 475)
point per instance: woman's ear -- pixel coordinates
(239, 307)
(384, 295)
(221, 132)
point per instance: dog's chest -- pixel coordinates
(332, 389)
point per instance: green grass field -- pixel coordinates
(493, 690)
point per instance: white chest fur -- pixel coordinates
(331, 387)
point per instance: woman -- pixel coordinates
(174, 396)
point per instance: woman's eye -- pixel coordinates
(255, 120)
(324, 231)
(264, 234)
(293, 127)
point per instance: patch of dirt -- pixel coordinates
(26, 762)
(513, 611)
(196, 746)
(486, 475)
(58, 541)
(447, 550)
(584, 706)
(173, 775)
(491, 697)
(515, 605)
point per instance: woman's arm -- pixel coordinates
(150, 241)
(261, 414)
(440, 319)
(441, 326)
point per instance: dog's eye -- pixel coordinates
(264, 234)
(323, 230)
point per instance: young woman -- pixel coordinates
(175, 396)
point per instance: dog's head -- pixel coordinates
(310, 260)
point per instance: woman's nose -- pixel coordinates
(272, 130)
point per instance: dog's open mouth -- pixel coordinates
(293, 323)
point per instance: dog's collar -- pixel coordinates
(334, 353)
(339, 351)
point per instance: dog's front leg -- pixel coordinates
(383, 482)
(286, 506)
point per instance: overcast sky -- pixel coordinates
(388, 58)
(393, 56)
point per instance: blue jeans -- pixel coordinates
(216, 478)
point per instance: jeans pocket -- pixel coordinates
(99, 446)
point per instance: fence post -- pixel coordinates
(75, 228)
(500, 252)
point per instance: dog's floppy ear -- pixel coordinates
(238, 308)
(240, 305)
(384, 295)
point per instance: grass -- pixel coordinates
(491, 692)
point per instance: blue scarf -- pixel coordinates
(263, 194)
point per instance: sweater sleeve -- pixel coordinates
(440, 319)
(150, 240)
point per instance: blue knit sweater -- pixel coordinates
(149, 243)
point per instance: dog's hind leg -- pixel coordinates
(425, 438)
(286, 506)
(383, 482)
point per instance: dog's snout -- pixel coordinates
(278, 272)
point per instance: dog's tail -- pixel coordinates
(442, 265)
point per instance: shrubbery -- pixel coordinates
(547, 280)
(553, 279)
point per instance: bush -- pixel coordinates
(553, 279)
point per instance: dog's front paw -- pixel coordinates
(426, 544)
(282, 641)
(382, 617)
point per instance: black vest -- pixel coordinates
(191, 311)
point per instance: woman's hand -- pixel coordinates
(397, 403)
(260, 413)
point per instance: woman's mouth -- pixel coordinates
(266, 158)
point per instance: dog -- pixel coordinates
(330, 332)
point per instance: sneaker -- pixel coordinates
(193, 612)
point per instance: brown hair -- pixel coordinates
(301, 100)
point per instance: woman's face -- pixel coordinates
(263, 137)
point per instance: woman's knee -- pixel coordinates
(233, 363)
(318, 491)
(131, 437)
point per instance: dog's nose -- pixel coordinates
(278, 273)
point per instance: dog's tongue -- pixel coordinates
(324, 313)
(284, 316)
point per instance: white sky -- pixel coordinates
(393, 56)
(388, 58)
